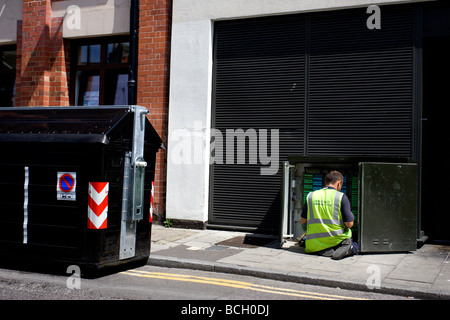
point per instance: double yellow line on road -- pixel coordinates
(237, 284)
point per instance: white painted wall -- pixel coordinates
(191, 84)
(10, 13)
(97, 17)
(191, 60)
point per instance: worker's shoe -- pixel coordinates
(302, 240)
(344, 250)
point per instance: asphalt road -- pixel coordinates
(155, 283)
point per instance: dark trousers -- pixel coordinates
(329, 251)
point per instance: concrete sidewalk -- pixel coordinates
(424, 273)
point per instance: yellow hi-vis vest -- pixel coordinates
(325, 226)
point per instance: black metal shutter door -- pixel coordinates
(361, 84)
(352, 87)
(259, 84)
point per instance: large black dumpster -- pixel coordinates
(75, 185)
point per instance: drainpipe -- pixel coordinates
(132, 69)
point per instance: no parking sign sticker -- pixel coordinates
(66, 186)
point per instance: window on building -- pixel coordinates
(99, 72)
(7, 75)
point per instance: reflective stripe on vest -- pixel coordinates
(325, 234)
(336, 208)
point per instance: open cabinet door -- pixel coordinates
(388, 207)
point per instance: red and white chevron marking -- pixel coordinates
(98, 205)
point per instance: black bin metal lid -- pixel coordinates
(60, 124)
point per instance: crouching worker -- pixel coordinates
(329, 219)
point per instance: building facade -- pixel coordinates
(76, 53)
(312, 78)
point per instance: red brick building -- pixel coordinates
(76, 53)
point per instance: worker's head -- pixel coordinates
(334, 179)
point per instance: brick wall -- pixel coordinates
(153, 80)
(34, 73)
(41, 76)
(60, 65)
